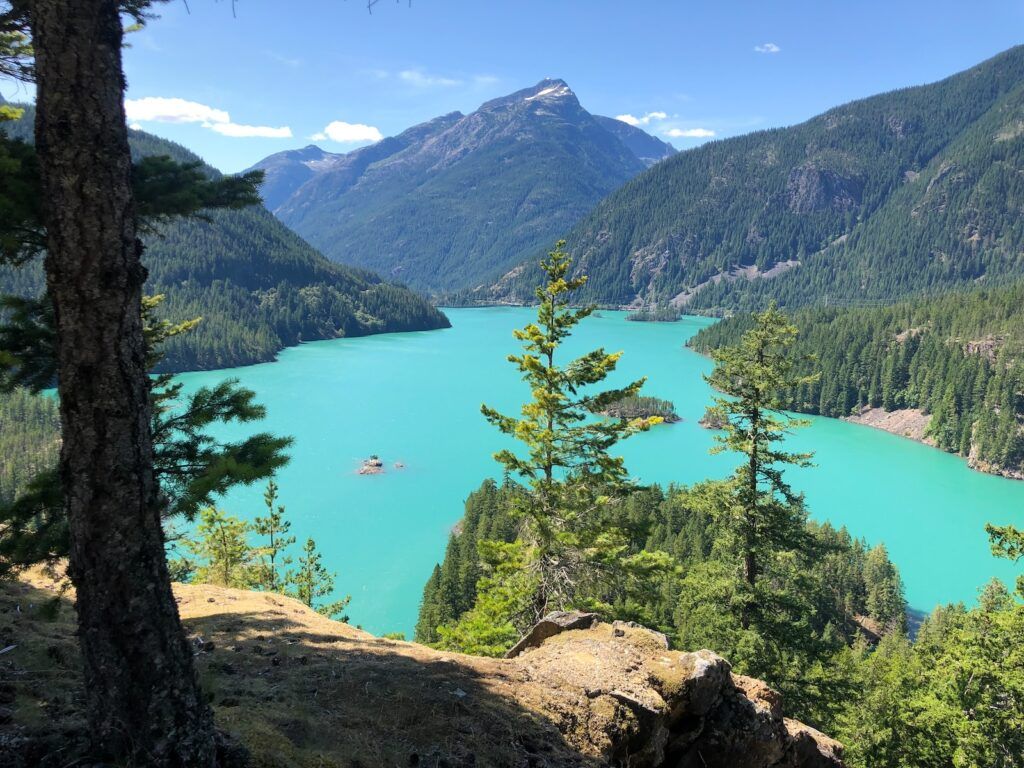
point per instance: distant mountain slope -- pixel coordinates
(918, 189)
(647, 148)
(455, 201)
(286, 172)
(257, 285)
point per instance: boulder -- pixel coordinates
(551, 625)
(617, 690)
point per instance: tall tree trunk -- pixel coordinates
(144, 702)
(749, 532)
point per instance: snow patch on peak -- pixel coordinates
(556, 91)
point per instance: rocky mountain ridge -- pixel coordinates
(909, 191)
(457, 200)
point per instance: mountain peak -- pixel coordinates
(548, 89)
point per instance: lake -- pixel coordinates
(415, 398)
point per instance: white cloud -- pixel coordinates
(486, 80)
(423, 80)
(348, 133)
(135, 127)
(767, 48)
(248, 131)
(645, 120)
(158, 109)
(689, 133)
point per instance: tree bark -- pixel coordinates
(143, 698)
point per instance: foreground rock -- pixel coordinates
(300, 690)
(617, 691)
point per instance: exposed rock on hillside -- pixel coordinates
(906, 422)
(300, 690)
(810, 189)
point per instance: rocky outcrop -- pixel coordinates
(300, 690)
(372, 466)
(617, 689)
(553, 624)
(905, 422)
(810, 188)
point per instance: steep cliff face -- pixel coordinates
(300, 690)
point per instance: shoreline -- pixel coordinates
(912, 424)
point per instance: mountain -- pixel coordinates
(915, 190)
(648, 149)
(455, 201)
(257, 285)
(285, 172)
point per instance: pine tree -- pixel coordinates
(191, 466)
(752, 377)
(1008, 542)
(271, 554)
(884, 600)
(569, 552)
(221, 542)
(137, 710)
(310, 581)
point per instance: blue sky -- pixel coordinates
(278, 74)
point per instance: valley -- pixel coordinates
(257, 286)
(414, 398)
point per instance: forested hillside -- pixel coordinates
(29, 439)
(737, 564)
(456, 201)
(950, 694)
(955, 357)
(678, 521)
(257, 285)
(914, 190)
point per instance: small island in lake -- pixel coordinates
(661, 313)
(713, 418)
(640, 407)
(372, 466)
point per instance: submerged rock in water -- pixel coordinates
(372, 466)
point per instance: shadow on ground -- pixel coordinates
(294, 687)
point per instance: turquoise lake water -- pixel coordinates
(414, 398)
